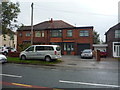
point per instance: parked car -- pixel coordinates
(4, 50)
(3, 58)
(11, 49)
(103, 53)
(46, 52)
(87, 53)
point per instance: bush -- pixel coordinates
(23, 46)
(13, 54)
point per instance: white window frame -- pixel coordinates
(116, 49)
(42, 34)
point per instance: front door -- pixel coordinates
(68, 47)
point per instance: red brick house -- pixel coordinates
(71, 39)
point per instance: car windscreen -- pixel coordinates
(58, 48)
(86, 51)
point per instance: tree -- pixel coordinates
(96, 38)
(10, 12)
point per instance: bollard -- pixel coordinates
(98, 55)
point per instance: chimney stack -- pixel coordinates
(51, 20)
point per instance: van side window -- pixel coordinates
(30, 49)
(39, 48)
(49, 48)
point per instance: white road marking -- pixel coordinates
(92, 84)
(8, 75)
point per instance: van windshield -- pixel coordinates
(58, 48)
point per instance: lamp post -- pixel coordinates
(32, 24)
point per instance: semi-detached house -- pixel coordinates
(71, 39)
(113, 41)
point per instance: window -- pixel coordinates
(117, 33)
(58, 48)
(69, 33)
(27, 34)
(41, 48)
(20, 34)
(37, 34)
(30, 49)
(55, 33)
(48, 48)
(68, 46)
(42, 33)
(84, 33)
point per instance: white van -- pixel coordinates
(46, 52)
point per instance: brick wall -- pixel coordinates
(47, 39)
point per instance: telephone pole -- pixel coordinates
(32, 24)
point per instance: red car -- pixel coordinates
(103, 53)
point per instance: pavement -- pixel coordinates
(76, 62)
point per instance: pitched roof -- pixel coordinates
(115, 27)
(25, 28)
(48, 25)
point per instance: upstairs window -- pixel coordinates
(117, 33)
(20, 34)
(27, 34)
(39, 34)
(84, 33)
(55, 33)
(69, 33)
(42, 33)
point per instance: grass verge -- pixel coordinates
(34, 62)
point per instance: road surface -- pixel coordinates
(32, 76)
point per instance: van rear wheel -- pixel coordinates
(47, 58)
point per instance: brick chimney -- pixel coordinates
(51, 20)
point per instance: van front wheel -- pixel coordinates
(47, 58)
(23, 57)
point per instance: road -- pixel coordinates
(17, 76)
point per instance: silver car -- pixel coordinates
(87, 53)
(3, 58)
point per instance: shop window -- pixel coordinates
(68, 46)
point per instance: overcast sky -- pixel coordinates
(101, 14)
